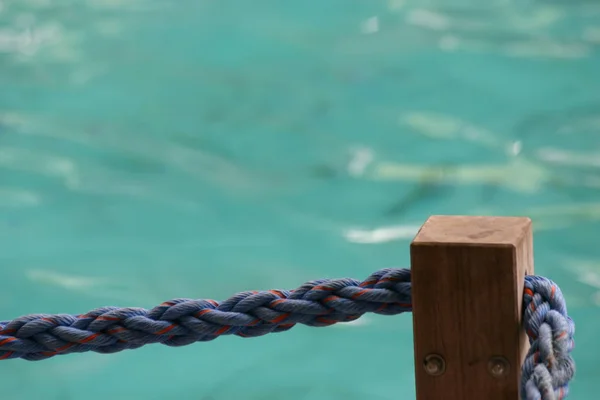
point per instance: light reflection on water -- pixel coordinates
(158, 149)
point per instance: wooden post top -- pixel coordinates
(468, 277)
(475, 231)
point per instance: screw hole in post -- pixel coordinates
(498, 367)
(434, 365)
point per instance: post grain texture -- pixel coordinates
(467, 289)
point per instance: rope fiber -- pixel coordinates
(545, 374)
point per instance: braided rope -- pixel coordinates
(546, 371)
(548, 367)
(183, 321)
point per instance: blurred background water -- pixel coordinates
(154, 149)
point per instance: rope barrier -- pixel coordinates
(545, 374)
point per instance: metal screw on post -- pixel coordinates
(434, 365)
(498, 367)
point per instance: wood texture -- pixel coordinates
(467, 289)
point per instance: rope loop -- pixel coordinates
(548, 366)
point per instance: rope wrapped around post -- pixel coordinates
(548, 367)
(179, 322)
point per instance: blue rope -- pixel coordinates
(548, 367)
(183, 321)
(545, 374)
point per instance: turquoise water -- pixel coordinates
(154, 149)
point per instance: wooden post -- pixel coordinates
(467, 290)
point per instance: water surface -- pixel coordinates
(152, 149)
